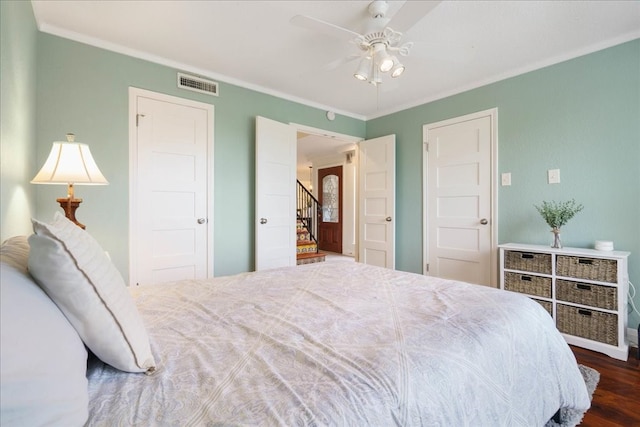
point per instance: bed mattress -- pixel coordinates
(340, 344)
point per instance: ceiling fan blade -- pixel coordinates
(340, 62)
(323, 27)
(410, 13)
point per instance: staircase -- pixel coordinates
(308, 212)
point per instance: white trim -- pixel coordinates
(327, 133)
(493, 114)
(134, 93)
(511, 73)
(50, 29)
(72, 35)
(113, 47)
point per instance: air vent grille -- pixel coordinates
(197, 84)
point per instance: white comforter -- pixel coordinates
(340, 344)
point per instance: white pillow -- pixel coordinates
(43, 360)
(76, 273)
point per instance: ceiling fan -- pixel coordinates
(380, 41)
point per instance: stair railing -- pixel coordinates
(308, 211)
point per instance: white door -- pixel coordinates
(170, 163)
(460, 214)
(377, 201)
(276, 145)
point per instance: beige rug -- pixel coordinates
(572, 417)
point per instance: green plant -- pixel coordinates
(557, 214)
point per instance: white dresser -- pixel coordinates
(584, 290)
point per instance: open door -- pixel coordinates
(275, 194)
(377, 201)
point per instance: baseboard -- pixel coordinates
(632, 337)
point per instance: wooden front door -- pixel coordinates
(330, 225)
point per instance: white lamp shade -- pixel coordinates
(70, 163)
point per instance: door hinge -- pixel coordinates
(426, 267)
(138, 118)
(426, 146)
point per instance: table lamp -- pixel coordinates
(70, 163)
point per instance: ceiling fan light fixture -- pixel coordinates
(362, 73)
(378, 43)
(386, 65)
(397, 69)
(383, 60)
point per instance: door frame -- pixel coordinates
(329, 162)
(134, 93)
(493, 223)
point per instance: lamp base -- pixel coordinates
(69, 207)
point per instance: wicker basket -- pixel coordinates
(602, 270)
(546, 304)
(587, 294)
(527, 261)
(531, 285)
(591, 324)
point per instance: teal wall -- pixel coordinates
(84, 90)
(18, 40)
(581, 116)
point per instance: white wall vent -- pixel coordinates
(197, 84)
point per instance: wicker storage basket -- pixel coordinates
(602, 270)
(587, 294)
(526, 284)
(546, 304)
(527, 261)
(591, 324)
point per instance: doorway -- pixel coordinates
(320, 149)
(330, 185)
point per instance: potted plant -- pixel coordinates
(557, 214)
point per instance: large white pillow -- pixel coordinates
(43, 362)
(76, 273)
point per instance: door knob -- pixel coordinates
(201, 220)
(263, 220)
(484, 221)
(388, 219)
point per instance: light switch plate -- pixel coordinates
(553, 176)
(506, 178)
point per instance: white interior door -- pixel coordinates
(171, 140)
(459, 203)
(276, 145)
(377, 201)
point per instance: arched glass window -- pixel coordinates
(330, 198)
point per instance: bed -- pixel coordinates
(329, 344)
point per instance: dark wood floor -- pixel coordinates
(616, 401)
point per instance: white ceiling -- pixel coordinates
(458, 45)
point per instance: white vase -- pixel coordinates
(557, 242)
